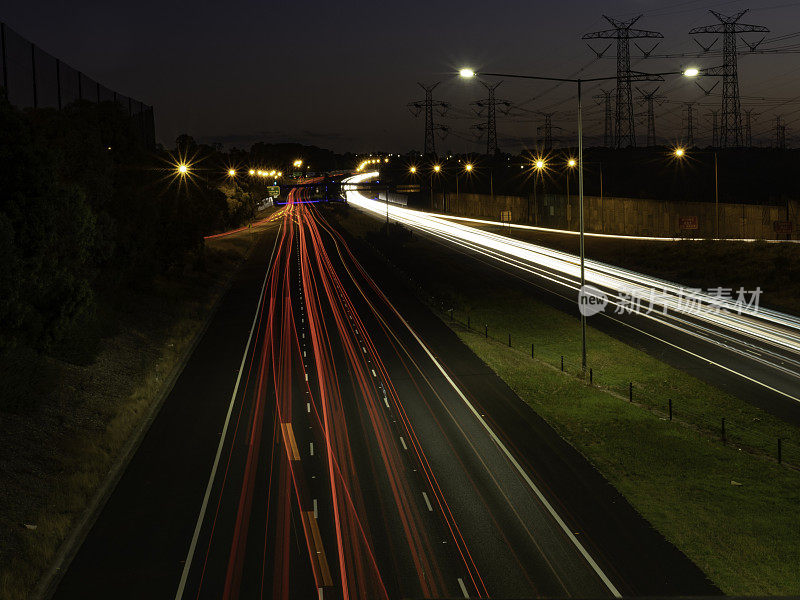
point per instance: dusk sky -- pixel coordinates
(340, 74)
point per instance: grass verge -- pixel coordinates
(54, 457)
(731, 508)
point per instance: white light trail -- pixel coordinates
(703, 317)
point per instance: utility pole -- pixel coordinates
(649, 98)
(730, 131)
(622, 32)
(428, 105)
(690, 124)
(490, 105)
(608, 123)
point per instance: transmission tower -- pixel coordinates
(650, 98)
(715, 129)
(429, 104)
(489, 105)
(780, 133)
(625, 133)
(748, 126)
(608, 124)
(730, 132)
(545, 133)
(690, 124)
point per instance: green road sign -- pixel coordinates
(274, 191)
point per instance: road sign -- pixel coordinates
(274, 191)
(687, 222)
(782, 226)
(505, 216)
(408, 189)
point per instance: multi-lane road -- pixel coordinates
(331, 438)
(724, 337)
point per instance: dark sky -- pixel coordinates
(339, 74)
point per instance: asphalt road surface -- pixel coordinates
(331, 438)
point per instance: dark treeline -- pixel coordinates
(750, 176)
(86, 211)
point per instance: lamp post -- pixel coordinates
(571, 164)
(539, 165)
(635, 76)
(680, 153)
(467, 169)
(436, 169)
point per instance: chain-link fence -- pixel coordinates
(733, 429)
(33, 78)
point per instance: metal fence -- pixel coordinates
(32, 78)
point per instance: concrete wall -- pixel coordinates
(626, 216)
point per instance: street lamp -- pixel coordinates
(231, 172)
(412, 170)
(468, 73)
(183, 169)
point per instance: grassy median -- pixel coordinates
(54, 457)
(730, 507)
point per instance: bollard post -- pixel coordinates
(780, 457)
(562, 363)
(630, 391)
(509, 340)
(591, 377)
(670, 409)
(486, 331)
(531, 349)
(724, 437)
(468, 326)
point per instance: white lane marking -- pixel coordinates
(306, 376)
(374, 374)
(308, 407)
(198, 526)
(708, 360)
(403, 443)
(316, 514)
(463, 588)
(427, 502)
(386, 402)
(304, 353)
(516, 464)
(311, 445)
(364, 349)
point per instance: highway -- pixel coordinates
(748, 350)
(359, 451)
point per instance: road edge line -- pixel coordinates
(48, 583)
(598, 571)
(201, 517)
